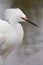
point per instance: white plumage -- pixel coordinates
(11, 32)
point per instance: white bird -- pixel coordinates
(11, 31)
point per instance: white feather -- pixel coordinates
(11, 35)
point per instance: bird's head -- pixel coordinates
(16, 15)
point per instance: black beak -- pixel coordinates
(32, 23)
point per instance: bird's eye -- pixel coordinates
(24, 18)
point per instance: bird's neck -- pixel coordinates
(17, 26)
(13, 22)
(18, 29)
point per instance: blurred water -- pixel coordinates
(3, 5)
(30, 52)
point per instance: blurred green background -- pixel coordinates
(28, 6)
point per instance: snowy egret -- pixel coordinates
(11, 32)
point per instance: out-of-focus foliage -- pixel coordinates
(28, 6)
